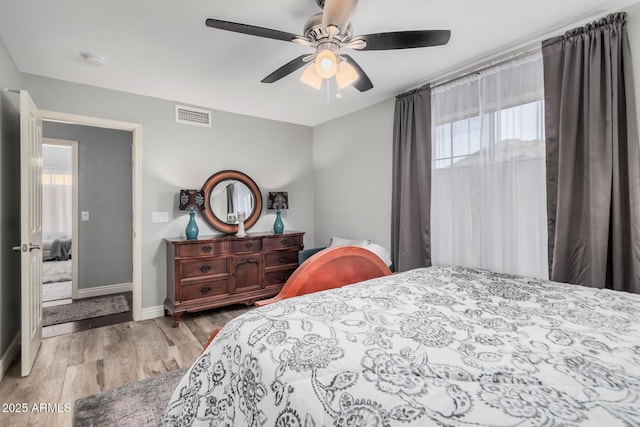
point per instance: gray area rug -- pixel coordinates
(84, 309)
(138, 404)
(56, 271)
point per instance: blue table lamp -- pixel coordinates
(191, 200)
(278, 200)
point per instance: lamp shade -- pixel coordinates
(326, 64)
(191, 199)
(346, 75)
(311, 78)
(278, 200)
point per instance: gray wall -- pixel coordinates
(352, 172)
(9, 201)
(104, 242)
(278, 156)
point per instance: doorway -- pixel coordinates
(102, 243)
(136, 185)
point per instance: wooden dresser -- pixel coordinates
(222, 270)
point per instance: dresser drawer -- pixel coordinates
(282, 242)
(204, 289)
(277, 277)
(202, 249)
(225, 269)
(274, 259)
(204, 267)
(246, 245)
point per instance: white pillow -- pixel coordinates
(338, 241)
(381, 251)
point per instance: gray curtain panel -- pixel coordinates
(230, 190)
(411, 197)
(593, 163)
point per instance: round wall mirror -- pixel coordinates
(228, 196)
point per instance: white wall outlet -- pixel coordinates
(84, 216)
(159, 217)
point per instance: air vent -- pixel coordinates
(193, 116)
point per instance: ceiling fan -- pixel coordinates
(328, 32)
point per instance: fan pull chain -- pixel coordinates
(339, 94)
(328, 91)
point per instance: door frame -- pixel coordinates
(75, 255)
(136, 170)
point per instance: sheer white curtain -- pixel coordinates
(242, 199)
(56, 203)
(488, 188)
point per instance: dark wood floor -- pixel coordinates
(97, 322)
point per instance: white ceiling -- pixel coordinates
(162, 48)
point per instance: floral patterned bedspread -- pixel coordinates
(437, 346)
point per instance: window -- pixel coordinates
(455, 141)
(488, 194)
(518, 133)
(57, 185)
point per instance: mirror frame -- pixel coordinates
(208, 187)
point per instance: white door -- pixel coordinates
(30, 229)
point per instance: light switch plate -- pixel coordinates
(159, 217)
(84, 216)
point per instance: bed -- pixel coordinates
(56, 249)
(441, 346)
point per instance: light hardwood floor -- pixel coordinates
(80, 364)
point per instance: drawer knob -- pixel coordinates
(205, 268)
(206, 248)
(248, 245)
(282, 259)
(205, 290)
(283, 277)
(284, 242)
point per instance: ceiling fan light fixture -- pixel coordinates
(328, 33)
(326, 64)
(311, 78)
(346, 75)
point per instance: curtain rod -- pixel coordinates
(484, 67)
(518, 50)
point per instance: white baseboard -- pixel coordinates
(9, 354)
(152, 312)
(56, 302)
(105, 290)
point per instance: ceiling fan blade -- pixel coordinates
(405, 39)
(286, 69)
(338, 13)
(251, 30)
(363, 83)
